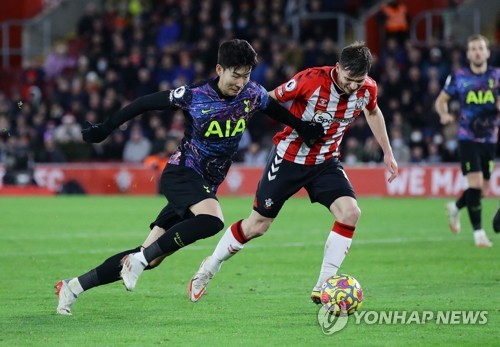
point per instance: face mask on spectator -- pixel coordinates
(102, 65)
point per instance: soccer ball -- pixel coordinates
(341, 294)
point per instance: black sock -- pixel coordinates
(462, 200)
(183, 234)
(474, 207)
(107, 272)
(496, 221)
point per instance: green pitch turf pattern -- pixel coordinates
(403, 255)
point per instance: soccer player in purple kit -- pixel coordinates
(216, 113)
(334, 96)
(476, 87)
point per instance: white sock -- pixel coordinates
(229, 245)
(75, 286)
(141, 258)
(336, 248)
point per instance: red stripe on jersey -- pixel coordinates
(320, 107)
(314, 96)
(313, 153)
(293, 148)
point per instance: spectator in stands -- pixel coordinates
(159, 138)
(158, 160)
(166, 70)
(255, 155)
(185, 71)
(57, 61)
(400, 149)
(176, 128)
(371, 151)
(137, 147)
(417, 155)
(436, 61)
(119, 38)
(68, 131)
(51, 152)
(114, 146)
(18, 161)
(68, 137)
(396, 20)
(85, 24)
(353, 152)
(169, 32)
(146, 85)
(433, 156)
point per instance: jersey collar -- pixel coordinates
(213, 83)
(333, 76)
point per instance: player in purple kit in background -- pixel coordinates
(216, 113)
(476, 87)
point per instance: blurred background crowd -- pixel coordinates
(123, 49)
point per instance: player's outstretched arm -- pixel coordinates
(376, 122)
(310, 132)
(95, 133)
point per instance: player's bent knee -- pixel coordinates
(350, 215)
(356, 213)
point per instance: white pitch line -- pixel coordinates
(195, 247)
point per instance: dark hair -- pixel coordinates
(356, 58)
(236, 53)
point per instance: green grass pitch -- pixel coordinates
(402, 254)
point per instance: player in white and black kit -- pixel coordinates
(216, 113)
(332, 96)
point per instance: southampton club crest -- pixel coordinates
(360, 104)
(268, 203)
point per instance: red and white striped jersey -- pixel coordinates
(315, 98)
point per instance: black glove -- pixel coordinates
(95, 133)
(310, 132)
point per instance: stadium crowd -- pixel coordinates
(132, 48)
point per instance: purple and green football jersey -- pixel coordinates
(214, 126)
(478, 101)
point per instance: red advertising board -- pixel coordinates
(417, 181)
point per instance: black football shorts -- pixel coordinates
(183, 187)
(476, 157)
(281, 179)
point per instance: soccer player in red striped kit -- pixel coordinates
(333, 96)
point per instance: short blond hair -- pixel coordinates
(478, 37)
